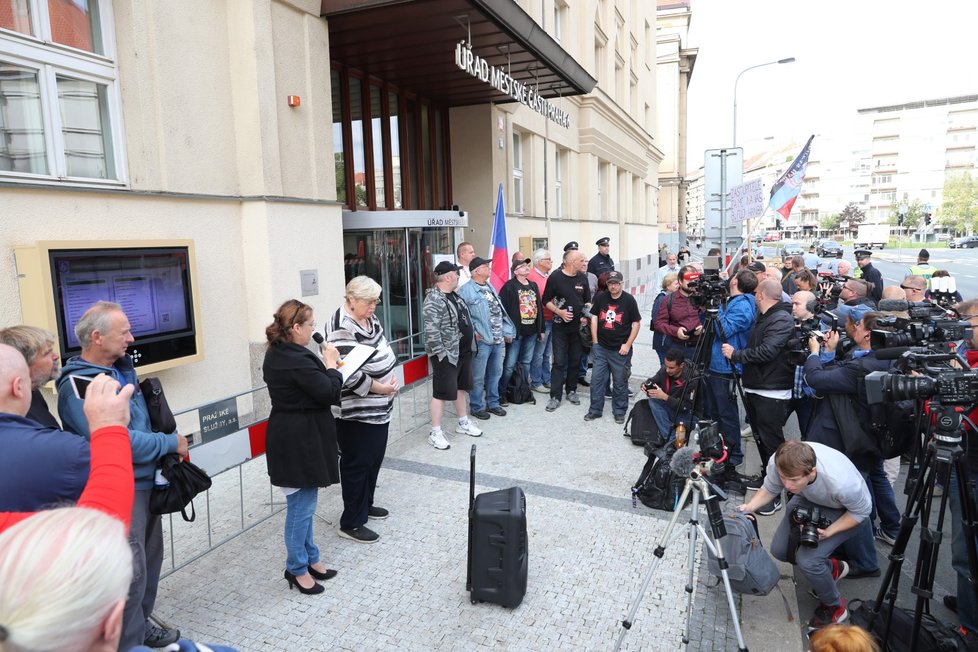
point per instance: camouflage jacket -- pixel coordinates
(441, 328)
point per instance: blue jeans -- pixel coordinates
(967, 600)
(861, 548)
(884, 503)
(298, 530)
(520, 350)
(487, 367)
(609, 362)
(540, 365)
(665, 418)
(721, 406)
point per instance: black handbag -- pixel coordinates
(160, 415)
(186, 480)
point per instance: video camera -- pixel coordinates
(927, 324)
(811, 521)
(949, 386)
(709, 291)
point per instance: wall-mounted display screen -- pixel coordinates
(152, 284)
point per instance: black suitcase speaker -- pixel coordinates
(497, 563)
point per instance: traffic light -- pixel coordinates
(777, 223)
(927, 219)
(899, 219)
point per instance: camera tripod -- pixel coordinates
(700, 488)
(942, 458)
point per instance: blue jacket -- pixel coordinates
(40, 467)
(147, 446)
(737, 319)
(472, 294)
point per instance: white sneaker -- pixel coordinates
(468, 429)
(437, 439)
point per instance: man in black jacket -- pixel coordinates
(870, 274)
(768, 373)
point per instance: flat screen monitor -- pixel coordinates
(152, 284)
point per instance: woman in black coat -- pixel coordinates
(300, 447)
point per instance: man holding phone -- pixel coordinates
(105, 335)
(665, 391)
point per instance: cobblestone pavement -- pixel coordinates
(589, 549)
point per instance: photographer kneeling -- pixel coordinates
(821, 479)
(665, 391)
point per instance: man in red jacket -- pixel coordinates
(678, 319)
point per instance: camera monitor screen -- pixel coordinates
(152, 284)
(711, 263)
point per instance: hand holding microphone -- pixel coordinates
(331, 355)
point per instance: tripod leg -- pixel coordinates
(690, 559)
(659, 552)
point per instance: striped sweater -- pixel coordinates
(357, 403)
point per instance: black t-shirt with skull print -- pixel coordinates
(615, 318)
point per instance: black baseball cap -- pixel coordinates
(477, 262)
(445, 267)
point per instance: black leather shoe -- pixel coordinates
(582, 381)
(481, 414)
(328, 575)
(293, 582)
(498, 411)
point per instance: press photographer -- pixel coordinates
(768, 373)
(842, 421)
(734, 320)
(678, 318)
(670, 399)
(823, 478)
(807, 327)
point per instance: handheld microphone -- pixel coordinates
(319, 339)
(893, 305)
(682, 462)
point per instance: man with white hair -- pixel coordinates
(540, 365)
(105, 335)
(37, 347)
(671, 267)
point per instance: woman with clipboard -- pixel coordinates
(366, 403)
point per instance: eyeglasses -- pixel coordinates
(369, 302)
(908, 287)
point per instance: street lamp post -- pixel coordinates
(737, 81)
(723, 185)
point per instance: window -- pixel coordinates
(560, 10)
(59, 102)
(558, 183)
(599, 188)
(517, 172)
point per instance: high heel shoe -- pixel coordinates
(328, 575)
(313, 590)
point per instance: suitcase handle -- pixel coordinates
(468, 561)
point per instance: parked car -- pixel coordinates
(967, 242)
(772, 237)
(828, 248)
(791, 248)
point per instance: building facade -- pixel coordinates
(299, 142)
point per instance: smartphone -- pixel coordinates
(80, 384)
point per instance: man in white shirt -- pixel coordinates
(671, 267)
(464, 254)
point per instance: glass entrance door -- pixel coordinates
(400, 260)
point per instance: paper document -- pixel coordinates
(353, 360)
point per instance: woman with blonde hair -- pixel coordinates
(365, 407)
(300, 445)
(660, 342)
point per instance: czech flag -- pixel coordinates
(498, 249)
(785, 191)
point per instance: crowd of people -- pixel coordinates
(790, 340)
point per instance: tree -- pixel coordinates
(959, 210)
(829, 223)
(914, 216)
(851, 216)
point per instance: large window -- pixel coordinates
(59, 101)
(391, 147)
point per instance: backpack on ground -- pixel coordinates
(935, 636)
(641, 427)
(657, 486)
(518, 391)
(750, 567)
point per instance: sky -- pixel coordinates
(849, 55)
